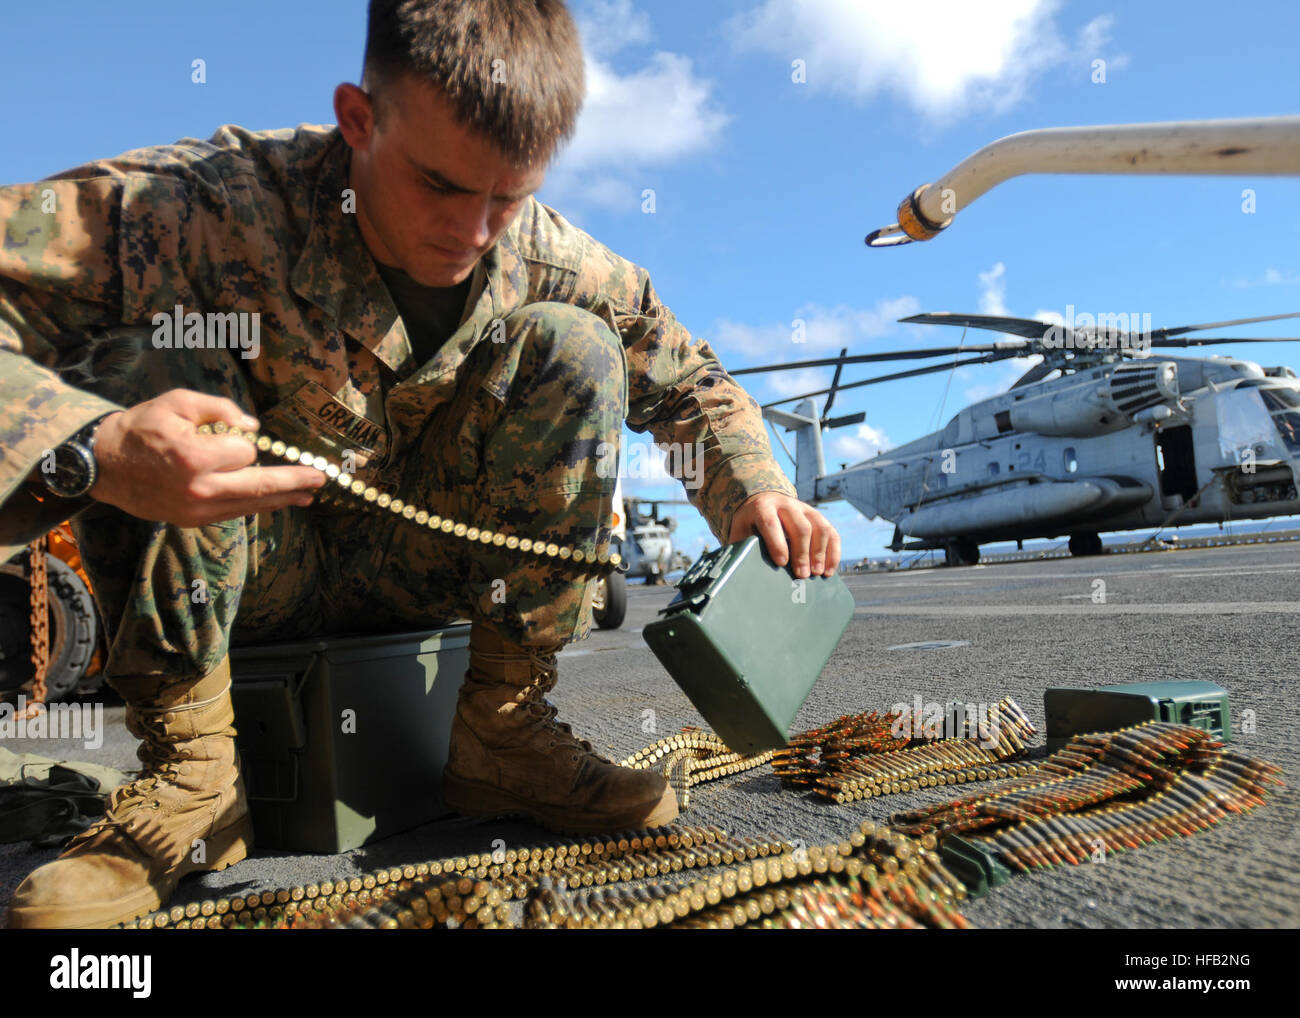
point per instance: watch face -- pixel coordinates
(74, 470)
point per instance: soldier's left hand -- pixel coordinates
(791, 530)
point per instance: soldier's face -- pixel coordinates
(431, 196)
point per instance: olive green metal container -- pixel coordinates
(1105, 708)
(343, 741)
(746, 641)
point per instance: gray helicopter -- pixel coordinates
(1100, 435)
(645, 540)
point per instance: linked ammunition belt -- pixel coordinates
(1108, 791)
(861, 756)
(691, 758)
(1115, 790)
(477, 890)
(368, 497)
(38, 578)
(856, 756)
(874, 878)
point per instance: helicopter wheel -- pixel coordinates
(962, 552)
(1085, 544)
(609, 602)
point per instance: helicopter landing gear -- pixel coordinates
(1085, 544)
(609, 602)
(962, 552)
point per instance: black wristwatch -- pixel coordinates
(72, 470)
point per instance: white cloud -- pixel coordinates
(864, 443)
(993, 290)
(643, 468)
(735, 342)
(811, 332)
(946, 59)
(1096, 33)
(997, 377)
(608, 26)
(1094, 37)
(791, 383)
(648, 117)
(1271, 277)
(633, 120)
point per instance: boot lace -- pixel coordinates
(540, 711)
(163, 764)
(124, 806)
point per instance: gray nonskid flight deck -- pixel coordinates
(1227, 615)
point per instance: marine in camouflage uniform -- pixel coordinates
(497, 401)
(508, 426)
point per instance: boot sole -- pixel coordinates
(231, 844)
(476, 799)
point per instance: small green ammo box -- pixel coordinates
(343, 741)
(746, 641)
(1105, 708)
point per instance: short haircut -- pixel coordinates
(511, 69)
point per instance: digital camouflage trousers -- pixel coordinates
(521, 447)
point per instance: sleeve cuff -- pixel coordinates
(738, 480)
(47, 413)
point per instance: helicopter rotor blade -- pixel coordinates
(1179, 330)
(1033, 330)
(928, 369)
(835, 381)
(1036, 373)
(1212, 340)
(842, 422)
(1029, 328)
(1007, 349)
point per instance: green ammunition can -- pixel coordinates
(746, 641)
(1073, 712)
(343, 740)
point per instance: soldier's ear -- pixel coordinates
(355, 115)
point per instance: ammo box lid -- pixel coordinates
(1154, 692)
(1173, 690)
(346, 649)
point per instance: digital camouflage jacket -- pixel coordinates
(260, 222)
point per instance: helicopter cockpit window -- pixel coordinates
(1288, 426)
(1243, 424)
(1280, 399)
(1071, 460)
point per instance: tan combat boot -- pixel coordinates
(129, 862)
(509, 756)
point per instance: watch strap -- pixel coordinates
(82, 446)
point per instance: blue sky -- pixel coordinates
(764, 187)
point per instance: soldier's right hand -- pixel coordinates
(155, 465)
